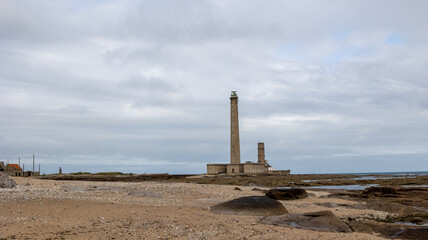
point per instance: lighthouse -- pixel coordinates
(235, 152)
(235, 166)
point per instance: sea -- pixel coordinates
(419, 173)
(372, 176)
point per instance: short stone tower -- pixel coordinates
(235, 152)
(261, 153)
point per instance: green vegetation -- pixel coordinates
(100, 173)
(80, 173)
(111, 173)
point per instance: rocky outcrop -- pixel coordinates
(389, 230)
(252, 206)
(287, 194)
(6, 181)
(380, 192)
(318, 221)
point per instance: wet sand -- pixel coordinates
(47, 209)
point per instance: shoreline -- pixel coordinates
(263, 180)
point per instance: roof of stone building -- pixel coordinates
(15, 166)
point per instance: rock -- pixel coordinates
(287, 194)
(143, 193)
(328, 204)
(250, 184)
(389, 231)
(237, 189)
(324, 221)
(421, 209)
(413, 233)
(252, 206)
(257, 189)
(73, 188)
(380, 191)
(417, 220)
(6, 181)
(26, 184)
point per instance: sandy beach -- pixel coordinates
(46, 209)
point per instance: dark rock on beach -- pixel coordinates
(412, 233)
(318, 221)
(287, 194)
(409, 206)
(331, 205)
(417, 220)
(252, 206)
(380, 192)
(389, 230)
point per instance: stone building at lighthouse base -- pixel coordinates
(248, 167)
(259, 167)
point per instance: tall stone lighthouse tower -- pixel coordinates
(235, 153)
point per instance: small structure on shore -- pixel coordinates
(15, 170)
(235, 166)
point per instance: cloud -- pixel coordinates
(147, 83)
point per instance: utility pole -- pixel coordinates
(19, 161)
(33, 163)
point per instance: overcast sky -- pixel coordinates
(144, 86)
